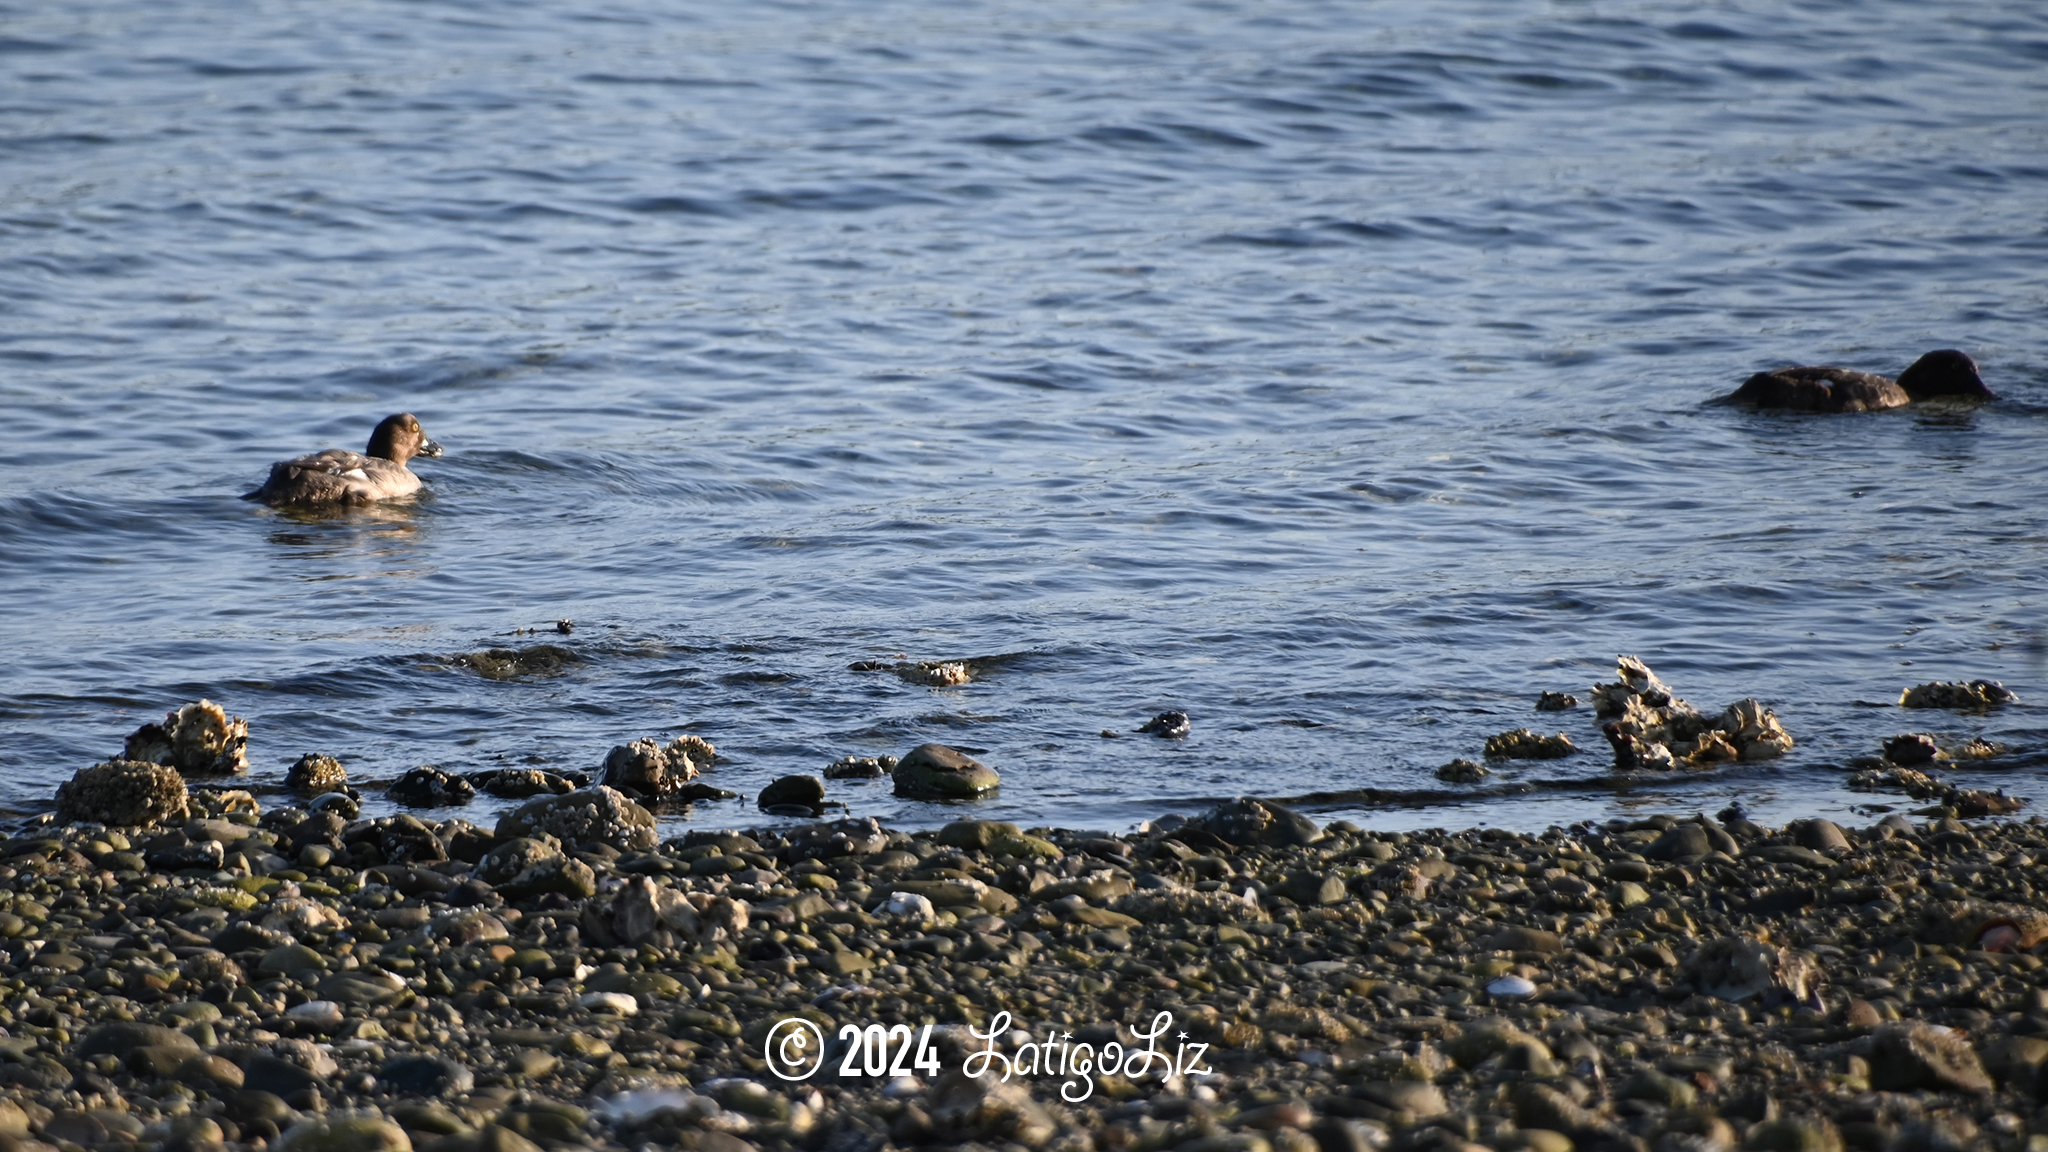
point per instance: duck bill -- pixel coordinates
(430, 448)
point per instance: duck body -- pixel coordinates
(1946, 373)
(337, 476)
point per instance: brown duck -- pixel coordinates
(338, 476)
(1946, 373)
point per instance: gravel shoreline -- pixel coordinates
(241, 979)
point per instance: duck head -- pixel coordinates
(1945, 373)
(399, 438)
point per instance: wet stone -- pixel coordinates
(425, 1076)
(799, 795)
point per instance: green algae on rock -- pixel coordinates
(934, 771)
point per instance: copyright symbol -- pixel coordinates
(795, 1049)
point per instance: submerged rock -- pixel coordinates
(519, 783)
(1463, 772)
(315, 773)
(860, 767)
(1556, 702)
(934, 771)
(124, 794)
(598, 815)
(513, 663)
(1168, 725)
(1912, 748)
(1975, 696)
(801, 795)
(198, 739)
(1526, 744)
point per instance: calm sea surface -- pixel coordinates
(1332, 371)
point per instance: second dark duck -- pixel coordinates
(1944, 374)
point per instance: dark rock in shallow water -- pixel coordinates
(934, 771)
(1912, 748)
(1976, 695)
(513, 663)
(805, 794)
(1168, 725)
(425, 1076)
(860, 767)
(1463, 772)
(431, 788)
(519, 783)
(343, 804)
(1247, 821)
(1556, 702)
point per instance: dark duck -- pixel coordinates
(338, 476)
(1946, 374)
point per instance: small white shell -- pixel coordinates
(1511, 988)
(616, 1003)
(323, 1012)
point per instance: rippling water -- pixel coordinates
(1331, 371)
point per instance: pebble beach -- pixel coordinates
(226, 976)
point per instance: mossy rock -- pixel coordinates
(936, 772)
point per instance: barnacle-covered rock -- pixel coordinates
(1974, 696)
(1168, 725)
(860, 767)
(519, 783)
(199, 739)
(315, 773)
(1912, 748)
(1634, 681)
(598, 815)
(1918, 785)
(653, 772)
(124, 794)
(1247, 821)
(1755, 730)
(430, 787)
(1463, 772)
(1527, 744)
